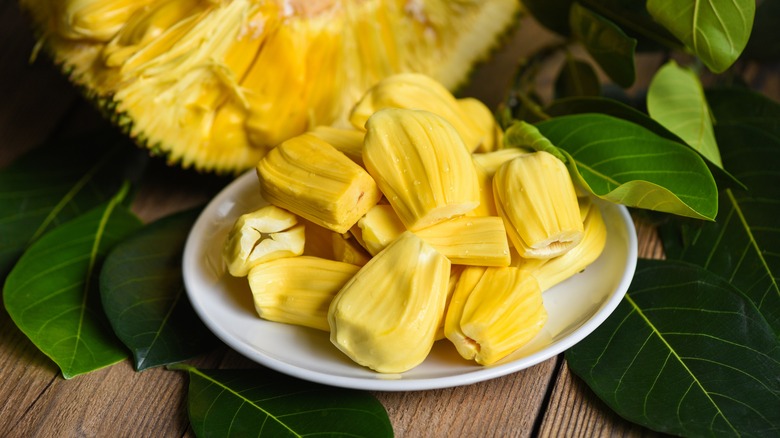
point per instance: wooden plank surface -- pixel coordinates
(37, 103)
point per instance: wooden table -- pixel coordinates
(37, 103)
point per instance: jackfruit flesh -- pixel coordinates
(310, 178)
(265, 234)
(550, 272)
(479, 241)
(535, 196)
(387, 316)
(298, 290)
(470, 117)
(421, 165)
(215, 84)
(493, 312)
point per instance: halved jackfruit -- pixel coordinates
(213, 84)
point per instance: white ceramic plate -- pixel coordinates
(575, 308)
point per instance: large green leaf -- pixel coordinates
(51, 293)
(143, 295)
(741, 245)
(685, 353)
(764, 45)
(55, 183)
(741, 106)
(676, 99)
(610, 107)
(612, 49)
(633, 18)
(261, 402)
(714, 30)
(625, 163)
(576, 78)
(553, 14)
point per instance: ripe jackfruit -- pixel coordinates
(387, 316)
(214, 84)
(421, 165)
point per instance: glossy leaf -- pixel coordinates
(143, 295)
(609, 46)
(633, 18)
(714, 30)
(739, 106)
(51, 293)
(627, 164)
(764, 45)
(676, 100)
(55, 183)
(525, 135)
(576, 78)
(685, 353)
(552, 14)
(610, 107)
(261, 402)
(741, 245)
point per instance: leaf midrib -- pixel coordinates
(679, 359)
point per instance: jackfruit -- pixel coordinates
(386, 317)
(215, 84)
(535, 196)
(479, 241)
(310, 178)
(265, 234)
(550, 272)
(493, 312)
(298, 290)
(421, 165)
(470, 117)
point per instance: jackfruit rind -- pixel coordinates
(215, 84)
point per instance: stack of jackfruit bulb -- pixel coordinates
(412, 226)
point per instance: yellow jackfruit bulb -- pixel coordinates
(535, 196)
(552, 271)
(298, 290)
(380, 226)
(386, 317)
(421, 92)
(491, 134)
(215, 84)
(421, 165)
(491, 161)
(469, 240)
(347, 141)
(265, 234)
(347, 249)
(493, 312)
(310, 178)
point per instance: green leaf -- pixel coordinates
(740, 106)
(552, 14)
(633, 18)
(525, 135)
(625, 163)
(609, 107)
(741, 245)
(261, 402)
(764, 45)
(55, 183)
(714, 30)
(612, 49)
(51, 293)
(143, 295)
(685, 353)
(676, 100)
(576, 78)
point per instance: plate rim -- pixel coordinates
(189, 274)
